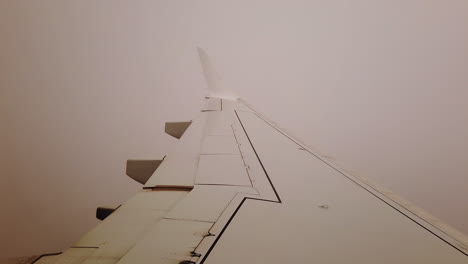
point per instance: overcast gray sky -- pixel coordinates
(380, 87)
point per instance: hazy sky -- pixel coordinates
(378, 86)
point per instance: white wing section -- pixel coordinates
(324, 215)
(179, 167)
(213, 80)
(236, 189)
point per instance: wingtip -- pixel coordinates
(213, 79)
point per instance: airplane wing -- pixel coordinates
(237, 189)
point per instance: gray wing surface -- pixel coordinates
(237, 189)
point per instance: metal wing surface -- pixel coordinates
(237, 189)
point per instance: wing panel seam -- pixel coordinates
(245, 198)
(380, 198)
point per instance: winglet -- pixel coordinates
(213, 79)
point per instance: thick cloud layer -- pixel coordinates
(378, 86)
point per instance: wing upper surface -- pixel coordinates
(242, 191)
(324, 215)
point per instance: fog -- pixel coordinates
(378, 87)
